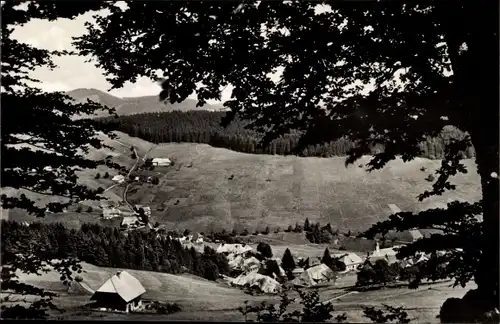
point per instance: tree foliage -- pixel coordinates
(265, 249)
(44, 142)
(313, 310)
(287, 261)
(421, 79)
(109, 247)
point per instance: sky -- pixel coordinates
(72, 71)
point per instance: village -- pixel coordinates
(253, 267)
(257, 273)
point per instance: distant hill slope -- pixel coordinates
(135, 105)
(265, 190)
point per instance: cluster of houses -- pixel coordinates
(123, 292)
(249, 275)
(120, 178)
(130, 220)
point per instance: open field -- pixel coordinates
(273, 191)
(280, 191)
(192, 293)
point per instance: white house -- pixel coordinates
(388, 253)
(112, 212)
(129, 220)
(319, 274)
(161, 162)
(118, 178)
(235, 249)
(351, 260)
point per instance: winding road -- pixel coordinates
(124, 195)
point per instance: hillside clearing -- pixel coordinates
(212, 188)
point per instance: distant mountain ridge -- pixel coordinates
(135, 105)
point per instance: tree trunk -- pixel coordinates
(487, 158)
(476, 78)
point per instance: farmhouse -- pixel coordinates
(388, 254)
(256, 280)
(108, 213)
(161, 162)
(129, 220)
(316, 275)
(118, 178)
(351, 260)
(251, 264)
(120, 292)
(234, 248)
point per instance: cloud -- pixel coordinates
(143, 87)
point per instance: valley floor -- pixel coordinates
(201, 299)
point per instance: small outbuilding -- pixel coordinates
(120, 292)
(161, 162)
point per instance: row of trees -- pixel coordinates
(204, 127)
(108, 247)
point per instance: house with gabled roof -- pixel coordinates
(120, 292)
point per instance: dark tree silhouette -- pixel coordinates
(43, 139)
(307, 226)
(327, 259)
(422, 79)
(265, 249)
(287, 261)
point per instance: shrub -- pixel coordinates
(396, 314)
(430, 178)
(155, 181)
(266, 231)
(78, 278)
(244, 233)
(165, 308)
(312, 311)
(79, 209)
(89, 210)
(106, 175)
(98, 176)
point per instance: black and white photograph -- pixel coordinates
(250, 161)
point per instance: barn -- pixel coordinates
(120, 292)
(161, 162)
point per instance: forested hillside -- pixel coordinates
(204, 127)
(108, 247)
